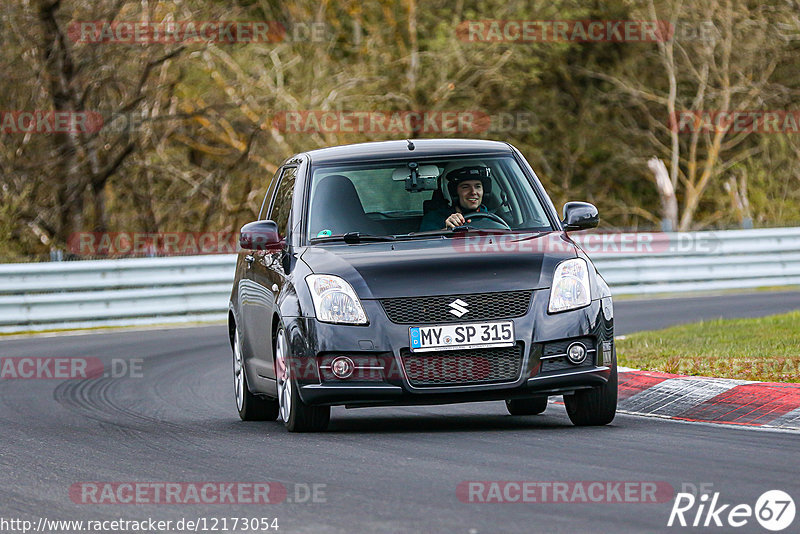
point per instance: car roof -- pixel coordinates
(399, 149)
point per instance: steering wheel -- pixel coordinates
(486, 220)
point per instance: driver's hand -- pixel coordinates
(456, 219)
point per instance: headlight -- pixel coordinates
(334, 300)
(570, 287)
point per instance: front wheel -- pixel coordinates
(249, 406)
(596, 406)
(295, 414)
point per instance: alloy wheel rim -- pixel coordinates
(238, 373)
(284, 380)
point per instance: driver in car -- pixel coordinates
(466, 186)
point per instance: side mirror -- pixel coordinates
(260, 235)
(580, 216)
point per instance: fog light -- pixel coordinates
(576, 353)
(342, 367)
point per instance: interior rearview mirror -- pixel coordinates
(417, 177)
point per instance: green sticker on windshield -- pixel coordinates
(324, 233)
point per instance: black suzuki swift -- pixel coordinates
(417, 272)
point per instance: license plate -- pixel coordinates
(461, 336)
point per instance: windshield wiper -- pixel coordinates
(352, 238)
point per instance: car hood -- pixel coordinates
(444, 266)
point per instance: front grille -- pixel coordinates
(561, 363)
(480, 306)
(463, 367)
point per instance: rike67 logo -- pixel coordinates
(774, 510)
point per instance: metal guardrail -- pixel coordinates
(79, 294)
(703, 261)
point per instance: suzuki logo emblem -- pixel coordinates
(458, 308)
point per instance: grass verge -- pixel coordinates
(765, 349)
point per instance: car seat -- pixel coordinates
(436, 202)
(337, 208)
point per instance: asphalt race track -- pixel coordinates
(637, 315)
(376, 470)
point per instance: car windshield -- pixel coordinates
(417, 195)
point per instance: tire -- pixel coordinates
(295, 414)
(533, 406)
(250, 407)
(596, 406)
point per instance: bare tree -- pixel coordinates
(729, 68)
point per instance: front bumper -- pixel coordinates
(313, 343)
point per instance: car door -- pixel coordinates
(266, 276)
